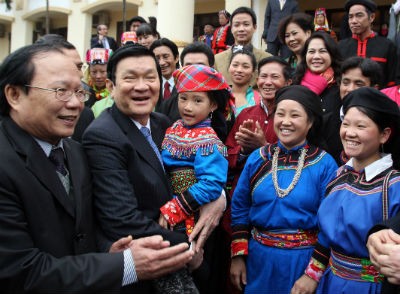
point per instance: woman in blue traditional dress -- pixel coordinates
(275, 204)
(365, 192)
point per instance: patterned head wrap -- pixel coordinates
(225, 13)
(98, 55)
(325, 26)
(128, 37)
(199, 78)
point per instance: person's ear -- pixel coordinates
(372, 17)
(13, 95)
(109, 85)
(213, 106)
(385, 135)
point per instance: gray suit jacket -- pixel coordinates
(274, 14)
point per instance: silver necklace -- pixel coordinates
(284, 192)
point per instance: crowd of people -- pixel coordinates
(220, 169)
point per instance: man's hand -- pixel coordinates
(210, 215)
(384, 252)
(121, 244)
(250, 136)
(154, 258)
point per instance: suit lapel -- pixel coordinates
(138, 141)
(76, 175)
(37, 162)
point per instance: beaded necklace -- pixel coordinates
(284, 192)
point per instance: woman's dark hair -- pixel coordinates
(248, 53)
(385, 120)
(333, 51)
(218, 122)
(314, 135)
(147, 29)
(304, 21)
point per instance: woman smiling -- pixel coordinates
(274, 205)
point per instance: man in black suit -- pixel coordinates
(275, 11)
(123, 145)
(47, 235)
(102, 40)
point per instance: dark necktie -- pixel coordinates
(146, 132)
(167, 90)
(57, 158)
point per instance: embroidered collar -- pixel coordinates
(357, 37)
(374, 168)
(181, 140)
(294, 149)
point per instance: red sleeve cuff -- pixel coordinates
(173, 212)
(239, 247)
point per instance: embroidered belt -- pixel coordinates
(182, 179)
(352, 268)
(286, 239)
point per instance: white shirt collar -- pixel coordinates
(170, 81)
(376, 167)
(264, 107)
(47, 147)
(139, 125)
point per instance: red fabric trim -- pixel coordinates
(315, 270)
(362, 45)
(239, 247)
(173, 212)
(379, 59)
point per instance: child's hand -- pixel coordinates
(163, 222)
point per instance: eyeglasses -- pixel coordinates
(64, 94)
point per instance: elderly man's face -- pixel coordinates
(39, 112)
(137, 87)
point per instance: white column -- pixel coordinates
(79, 29)
(259, 7)
(175, 20)
(231, 5)
(148, 8)
(21, 31)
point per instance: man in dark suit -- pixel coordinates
(102, 40)
(123, 145)
(47, 235)
(275, 11)
(194, 53)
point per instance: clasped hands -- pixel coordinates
(250, 136)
